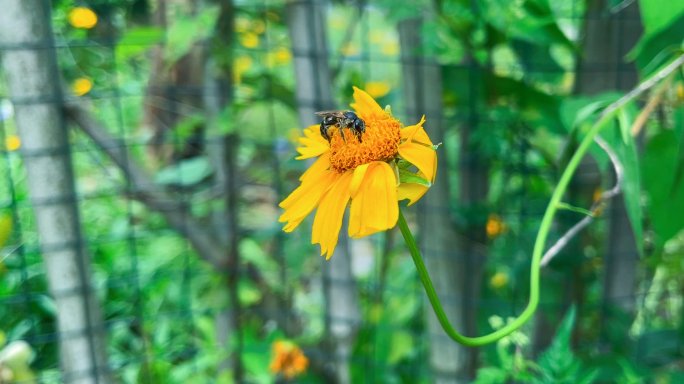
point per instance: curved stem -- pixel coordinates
(536, 255)
(607, 115)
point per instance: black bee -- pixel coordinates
(341, 120)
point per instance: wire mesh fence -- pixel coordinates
(149, 144)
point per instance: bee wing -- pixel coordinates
(337, 114)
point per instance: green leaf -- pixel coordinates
(137, 40)
(154, 372)
(442, 43)
(186, 172)
(491, 375)
(576, 110)
(624, 124)
(663, 187)
(410, 177)
(658, 14)
(540, 109)
(558, 358)
(5, 229)
(656, 48)
(631, 183)
(248, 292)
(569, 207)
(251, 252)
(530, 21)
(256, 366)
(588, 111)
(590, 377)
(187, 126)
(254, 121)
(577, 114)
(48, 304)
(539, 63)
(402, 346)
(188, 30)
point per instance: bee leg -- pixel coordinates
(342, 134)
(358, 134)
(324, 132)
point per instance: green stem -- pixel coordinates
(539, 246)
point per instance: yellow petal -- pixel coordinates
(328, 220)
(422, 157)
(411, 191)
(375, 207)
(359, 174)
(314, 143)
(304, 199)
(365, 104)
(421, 137)
(416, 134)
(434, 173)
(407, 133)
(318, 167)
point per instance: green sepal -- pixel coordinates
(410, 177)
(395, 168)
(434, 147)
(403, 164)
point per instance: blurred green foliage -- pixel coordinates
(508, 67)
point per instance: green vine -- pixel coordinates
(609, 113)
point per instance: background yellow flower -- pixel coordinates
(82, 18)
(288, 359)
(12, 143)
(390, 48)
(499, 280)
(495, 226)
(378, 88)
(81, 86)
(249, 40)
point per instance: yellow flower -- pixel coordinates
(390, 48)
(499, 280)
(279, 56)
(378, 88)
(81, 86)
(249, 40)
(282, 56)
(376, 36)
(364, 172)
(495, 226)
(288, 359)
(12, 143)
(82, 18)
(242, 64)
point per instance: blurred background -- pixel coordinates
(148, 144)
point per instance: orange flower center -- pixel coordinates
(380, 142)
